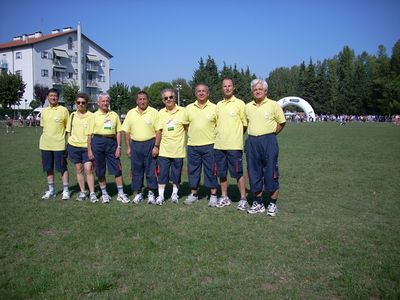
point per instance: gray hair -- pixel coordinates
(103, 95)
(254, 82)
(168, 90)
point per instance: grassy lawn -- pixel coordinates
(336, 236)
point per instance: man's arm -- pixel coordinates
(279, 127)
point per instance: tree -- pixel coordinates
(121, 99)
(186, 93)
(69, 92)
(12, 89)
(154, 91)
(346, 81)
(134, 91)
(40, 93)
(282, 82)
(35, 104)
(208, 74)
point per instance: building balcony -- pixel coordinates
(91, 83)
(92, 67)
(59, 80)
(58, 64)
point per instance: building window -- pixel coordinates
(18, 72)
(70, 75)
(45, 73)
(18, 55)
(102, 63)
(70, 45)
(45, 55)
(74, 59)
(102, 78)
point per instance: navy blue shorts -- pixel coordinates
(104, 153)
(169, 168)
(232, 159)
(59, 158)
(142, 162)
(197, 157)
(77, 155)
(262, 162)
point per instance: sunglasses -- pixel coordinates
(169, 97)
(81, 102)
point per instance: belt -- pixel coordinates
(113, 137)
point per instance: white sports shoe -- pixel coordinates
(123, 198)
(93, 198)
(256, 208)
(223, 201)
(272, 209)
(213, 201)
(105, 198)
(191, 199)
(243, 205)
(47, 195)
(138, 198)
(81, 196)
(175, 198)
(151, 199)
(65, 195)
(159, 200)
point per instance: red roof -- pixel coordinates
(34, 40)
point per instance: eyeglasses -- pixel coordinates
(169, 97)
(81, 102)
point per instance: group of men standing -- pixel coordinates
(156, 144)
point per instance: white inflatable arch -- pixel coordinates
(299, 102)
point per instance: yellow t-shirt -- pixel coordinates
(79, 129)
(104, 123)
(173, 133)
(263, 119)
(230, 122)
(202, 122)
(141, 126)
(53, 120)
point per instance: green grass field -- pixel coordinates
(336, 236)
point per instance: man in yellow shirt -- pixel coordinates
(228, 147)
(104, 146)
(77, 127)
(171, 122)
(201, 118)
(142, 146)
(52, 144)
(265, 121)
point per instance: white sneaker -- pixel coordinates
(256, 208)
(175, 198)
(243, 205)
(138, 198)
(191, 199)
(213, 201)
(123, 198)
(93, 198)
(223, 201)
(47, 195)
(272, 209)
(81, 196)
(151, 199)
(105, 198)
(65, 195)
(159, 200)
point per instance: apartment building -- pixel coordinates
(60, 57)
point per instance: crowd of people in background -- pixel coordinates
(342, 118)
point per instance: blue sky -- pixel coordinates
(164, 40)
